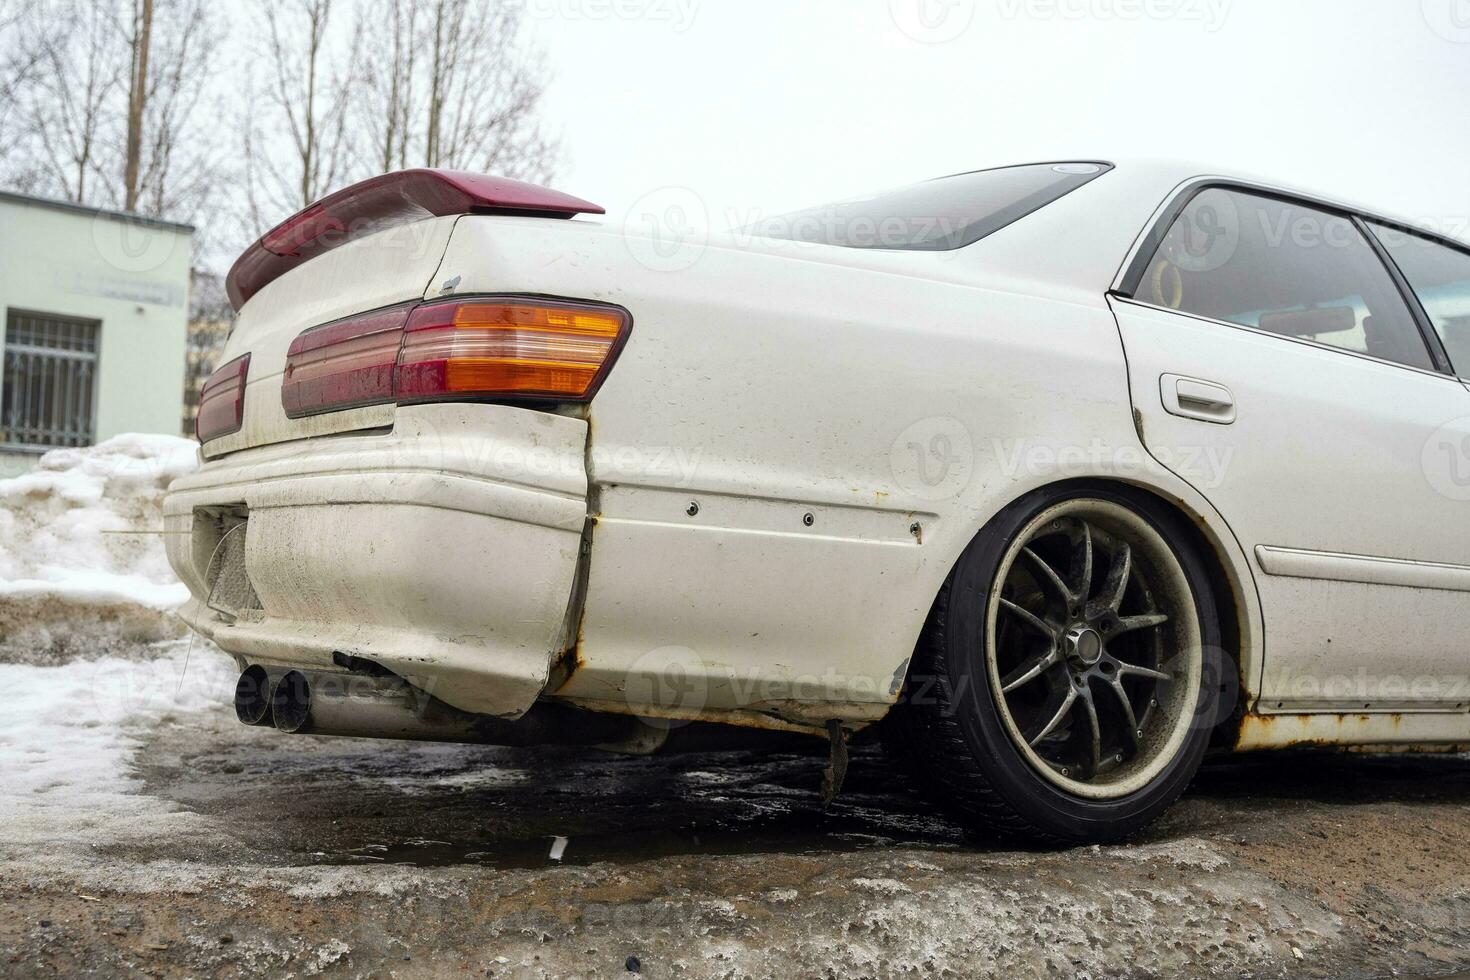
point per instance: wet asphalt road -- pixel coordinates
(253, 853)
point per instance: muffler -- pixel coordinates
(364, 706)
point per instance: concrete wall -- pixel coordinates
(132, 275)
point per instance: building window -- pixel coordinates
(48, 395)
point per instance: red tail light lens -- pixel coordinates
(530, 349)
(343, 365)
(492, 349)
(222, 401)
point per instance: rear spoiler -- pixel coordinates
(385, 202)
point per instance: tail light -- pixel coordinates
(222, 401)
(508, 349)
(491, 349)
(343, 365)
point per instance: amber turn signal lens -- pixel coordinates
(508, 348)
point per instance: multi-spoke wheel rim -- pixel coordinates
(1093, 648)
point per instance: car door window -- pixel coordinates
(1285, 268)
(1440, 277)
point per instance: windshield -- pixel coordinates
(937, 215)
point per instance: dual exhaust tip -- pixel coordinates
(383, 705)
(266, 697)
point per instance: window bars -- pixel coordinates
(48, 394)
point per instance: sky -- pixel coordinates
(737, 109)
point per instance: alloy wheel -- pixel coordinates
(1094, 648)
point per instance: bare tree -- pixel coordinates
(298, 143)
(452, 83)
(18, 60)
(66, 107)
(105, 113)
(178, 159)
(386, 108)
(438, 83)
(485, 84)
(139, 42)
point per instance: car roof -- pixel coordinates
(1177, 172)
(1076, 247)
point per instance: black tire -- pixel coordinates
(948, 733)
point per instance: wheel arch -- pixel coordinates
(1234, 601)
(1231, 582)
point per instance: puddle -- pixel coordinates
(353, 802)
(796, 832)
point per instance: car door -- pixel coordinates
(1278, 362)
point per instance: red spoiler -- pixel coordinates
(383, 202)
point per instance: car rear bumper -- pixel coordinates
(446, 550)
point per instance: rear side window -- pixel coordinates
(1284, 268)
(1440, 277)
(937, 215)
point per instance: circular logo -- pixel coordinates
(673, 678)
(1206, 235)
(667, 229)
(117, 691)
(932, 21)
(1077, 169)
(1446, 459)
(933, 458)
(133, 246)
(1450, 19)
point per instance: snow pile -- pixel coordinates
(71, 527)
(79, 538)
(68, 735)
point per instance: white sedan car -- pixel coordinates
(1058, 475)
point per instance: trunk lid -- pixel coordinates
(396, 265)
(374, 244)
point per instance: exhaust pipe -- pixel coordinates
(253, 694)
(362, 706)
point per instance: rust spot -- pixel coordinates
(567, 663)
(572, 659)
(1349, 732)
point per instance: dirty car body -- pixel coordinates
(489, 451)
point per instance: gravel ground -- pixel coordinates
(217, 850)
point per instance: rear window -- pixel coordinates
(937, 215)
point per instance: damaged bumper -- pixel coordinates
(445, 550)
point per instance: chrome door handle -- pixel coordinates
(1192, 398)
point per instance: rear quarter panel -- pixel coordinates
(792, 452)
